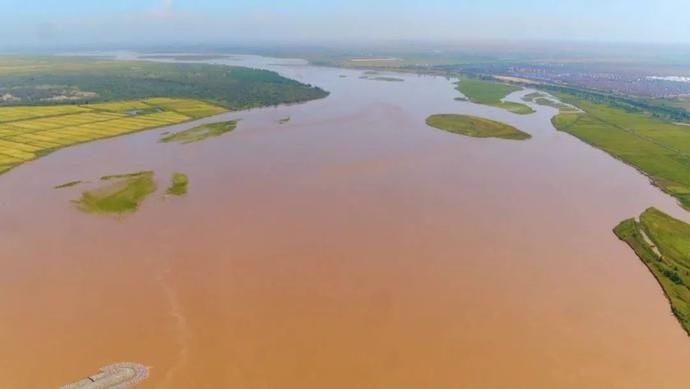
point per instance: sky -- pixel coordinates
(34, 23)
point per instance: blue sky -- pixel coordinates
(74, 22)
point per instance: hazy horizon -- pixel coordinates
(54, 24)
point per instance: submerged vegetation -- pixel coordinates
(200, 133)
(491, 93)
(663, 244)
(120, 194)
(67, 184)
(475, 127)
(656, 147)
(178, 184)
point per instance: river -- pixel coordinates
(351, 247)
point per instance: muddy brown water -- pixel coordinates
(352, 247)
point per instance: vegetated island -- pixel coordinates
(382, 78)
(475, 126)
(48, 103)
(67, 184)
(122, 193)
(562, 108)
(656, 147)
(663, 245)
(178, 184)
(491, 93)
(200, 133)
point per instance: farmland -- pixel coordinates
(658, 148)
(30, 132)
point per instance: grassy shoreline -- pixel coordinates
(667, 256)
(655, 147)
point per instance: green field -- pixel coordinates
(491, 93)
(178, 184)
(666, 252)
(122, 193)
(200, 133)
(27, 133)
(658, 148)
(475, 127)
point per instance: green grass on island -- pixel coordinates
(656, 147)
(382, 78)
(491, 93)
(119, 194)
(475, 127)
(663, 244)
(178, 184)
(200, 133)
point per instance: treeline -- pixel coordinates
(232, 87)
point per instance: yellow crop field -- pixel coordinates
(8, 114)
(27, 132)
(189, 107)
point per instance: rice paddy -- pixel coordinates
(28, 132)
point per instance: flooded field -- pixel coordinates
(349, 247)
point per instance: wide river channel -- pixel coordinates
(351, 247)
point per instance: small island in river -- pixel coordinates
(122, 193)
(200, 133)
(475, 127)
